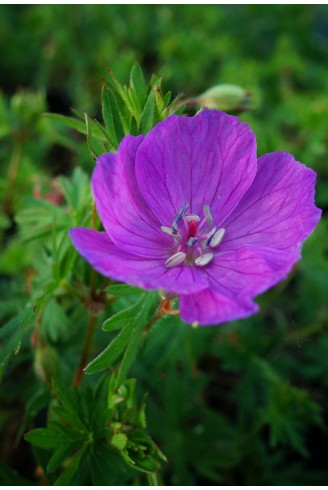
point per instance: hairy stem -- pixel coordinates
(91, 328)
(92, 320)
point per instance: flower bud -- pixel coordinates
(227, 98)
(45, 362)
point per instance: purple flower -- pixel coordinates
(189, 208)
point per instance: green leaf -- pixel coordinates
(134, 340)
(137, 82)
(59, 456)
(71, 472)
(108, 356)
(111, 140)
(123, 317)
(96, 148)
(133, 126)
(67, 121)
(13, 333)
(55, 322)
(147, 116)
(68, 397)
(123, 290)
(133, 318)
(77, 124)
(46, 438)
(111, 115)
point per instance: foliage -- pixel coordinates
(241, 404)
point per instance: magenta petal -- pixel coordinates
(206, 159)
(148, 273)
(210, 308)
(278, 210)
(249, 271)
(122, 209)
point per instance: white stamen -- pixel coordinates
(217, 237)
(175, 259)
(192, 217)
(210, 235)
(208, 214)
(192, 241)
(170, 231)
(205, 259)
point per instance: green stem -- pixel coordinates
(153, 479)
(158, 315)
(91, 328)
(92, 320)
(12, 176)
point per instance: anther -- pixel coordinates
(178, 218)
(175, 259)
(170, 231)
(181, 213)
(192, 217)
(192, 241)
(208, 214)
(210, 235)
(216, 239)
(204, 260)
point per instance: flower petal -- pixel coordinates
(210, 308)
(248, 271)
(278, 210)
(121, 207)
(206, 159)
(148, 273)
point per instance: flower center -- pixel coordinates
(194, 239)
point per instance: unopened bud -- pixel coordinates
(228, 98)
(45, 362)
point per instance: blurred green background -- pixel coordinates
(245, 403)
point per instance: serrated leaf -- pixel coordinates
(147, 116)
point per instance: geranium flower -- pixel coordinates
(189, 208)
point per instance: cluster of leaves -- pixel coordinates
(88, 428)
(95, 436)
(133, 109)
